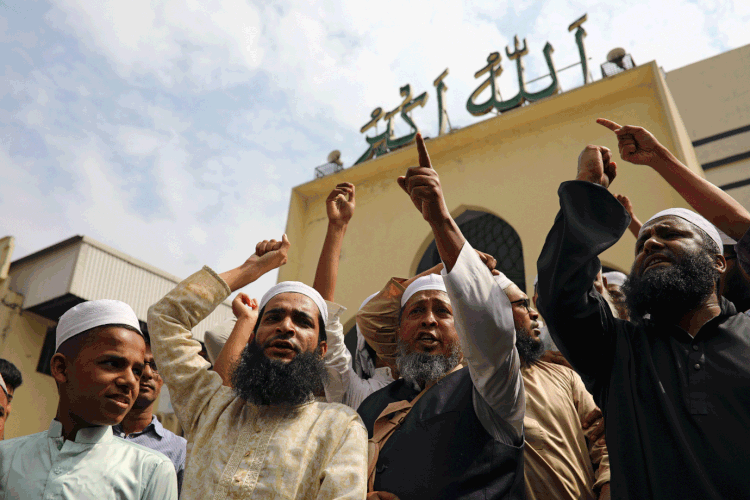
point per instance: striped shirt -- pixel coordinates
(156, 437)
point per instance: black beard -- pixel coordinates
(671, 291)
(421, 368)
(530, 349)
(263, 381)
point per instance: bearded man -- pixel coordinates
(444, 430)
(266, 436)
(674, 381)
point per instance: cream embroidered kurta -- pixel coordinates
(239, 450)
(559, 463)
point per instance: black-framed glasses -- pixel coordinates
(524, 302)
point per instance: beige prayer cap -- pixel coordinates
(91, 314)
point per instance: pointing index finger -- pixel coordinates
(424, 158)
(614, 127)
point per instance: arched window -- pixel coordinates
(490, 234)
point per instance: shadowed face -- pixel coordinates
(675, 270)
(99, 374)
(427, 323)
(3, 413)
(151, 383)
(664, 242)
(289, 326)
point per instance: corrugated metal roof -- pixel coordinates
(91, 270)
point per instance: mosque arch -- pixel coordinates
(487, 233)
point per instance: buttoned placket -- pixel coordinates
(697, 376)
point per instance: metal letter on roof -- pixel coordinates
(382, 143)
(494, 69)
(580, 35)
(442, 113)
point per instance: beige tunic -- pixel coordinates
(558, 461)
(239, 450)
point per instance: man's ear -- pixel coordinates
(59, 366)
(720, 263)
(323, 347)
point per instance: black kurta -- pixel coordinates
(442, 451)
(676, 408)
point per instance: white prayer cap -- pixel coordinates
(503, 281)
(2, 384)
(297, 287)
(429, 282)
(615, 278)
(691, 217)
(725, 239)
(91, 314)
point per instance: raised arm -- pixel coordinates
(635, 223)
(639, 146)
(590, 221)
(482, 312)
(245, 310)
(339, 208)
(191, 383)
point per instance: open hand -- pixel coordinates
(245, 307)
(636, 144)
(340, 204)
(595, 165)
(422, 184)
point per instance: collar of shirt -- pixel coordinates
(87, 435)
(155, 425)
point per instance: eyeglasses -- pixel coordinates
(524, 303)
(152, 365)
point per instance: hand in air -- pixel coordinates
(422, 184)
(340, 203)
(244, 307)
(489, 261)
(595, 165)
(270, 254)
(636, 144)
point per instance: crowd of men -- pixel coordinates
(633, 387)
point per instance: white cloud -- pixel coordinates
(210, 43)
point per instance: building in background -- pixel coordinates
(713, 96)
(500, 178)
(37, 289)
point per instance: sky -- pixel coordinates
(175, 130)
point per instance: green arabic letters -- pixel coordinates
(377, 143)
(554, 87)
(580, 35)
(442, 113)
(382, 143)
(494, 69)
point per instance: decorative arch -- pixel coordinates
(490, 234)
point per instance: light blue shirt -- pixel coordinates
(96, 466)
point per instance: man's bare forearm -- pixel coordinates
(708, 200)
(232, 350)
(328, 263)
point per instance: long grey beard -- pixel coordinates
(420, 368)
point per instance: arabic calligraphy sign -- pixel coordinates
(384, 142)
